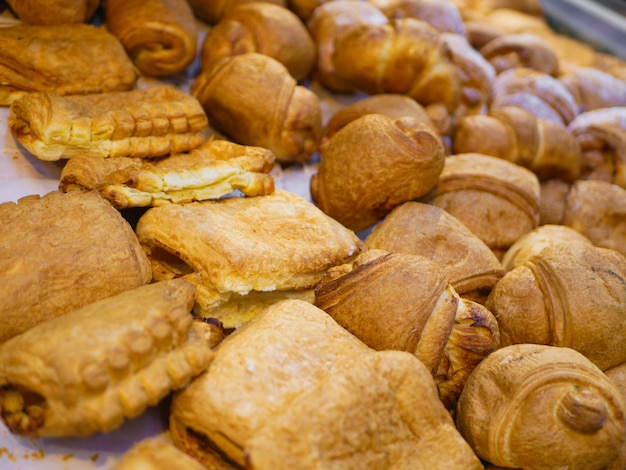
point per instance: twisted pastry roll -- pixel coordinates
(535, 406)
(56, 12)
(159, 35)
(117, 356)
(254, 100)
(264, 28)
(212, 11)
(443, 16)
(141, 123)
(594, 89)
(524, 50)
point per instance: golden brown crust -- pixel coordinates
(156, 453)
(521, 50)
(212, 11)
(61, 252)
(58, 12)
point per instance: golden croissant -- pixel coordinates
(525, 50)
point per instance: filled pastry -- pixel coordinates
(64, 59)
(293, 389)
(60, 252)
(149, 122)
(55, 12)
(89, 370)
(215, 169)
(244, 253)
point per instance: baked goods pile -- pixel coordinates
(451, 295)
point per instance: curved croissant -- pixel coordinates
(535, 406)
(593, 88)
(444, 16)
(526, 50)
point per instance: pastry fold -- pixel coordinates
(89, 370)
(150, 122)
(160, 36)
(60, 252)
(244, 253)
(215, 169)
(64, 59)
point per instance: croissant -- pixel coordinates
(60, 252)
(56, 12)
(617, 375)
(496, 199)
(160, 36)
(400, 301)
(294, 364)
(212, 11)
(143, 123)
(398, 160)
(553, 193)
(215, 169)
(254, 100)
(429, 231)
(593, 88)
(524, 50)
(536, 406)
(384, 58)
(601, 134)
(87, 371)
(567, 295)
(515, 134)
(64, 59)
(444, 16)
(265, 28)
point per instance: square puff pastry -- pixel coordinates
(87, 371)
(293, 389)
(243, 253)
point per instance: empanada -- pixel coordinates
(87, 371)
(213, 170)
(150, 122)
(244, 253)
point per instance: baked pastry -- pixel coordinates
(399, 160)
(64, 59)
(56, 12)
(150, 122)
(245, 253)
(496, 199)
(524, 50)
(212, 11)
(265, 28)
(567, 295)
(215, 169)
(61, 252)
(89, 370)
(159, 36)
(156, 453)
(426, 230)
(293, 389)
(404, 302)
(254, 100)
(593, 88)
(444, 16)
(617, 375)
(535, 406)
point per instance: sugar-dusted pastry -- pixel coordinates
(429, 231)
(496, 199)
(54, 12)
(593, 88)
(398, 160)
(60, 252)
(89, 370)
(145, 123)
(215, 169)
(159, 36)
(444, 16)
(405, 302)
(156, 453)
(568, 294)
(535, 406)
(254, 100)
(521, 50)
(293, 389)
(64, 59)
(245, 253)
(265, 28)
(212, 11)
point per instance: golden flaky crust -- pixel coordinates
(150, 122)
(89, 370)
(54, 11)
(521, 50)
(156, 453)
(159, 35)
(294, 364)
(238, 249)
(61, 252)
(212, 11)
(64, 59)
(254, 100)
(213, 170)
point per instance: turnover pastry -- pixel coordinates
(215, 169)
(159, 35)
(60, 252)
(150, 122)
(293, 389)
(64, 59)
(245, 253)
(89, 370)
(55, 12)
